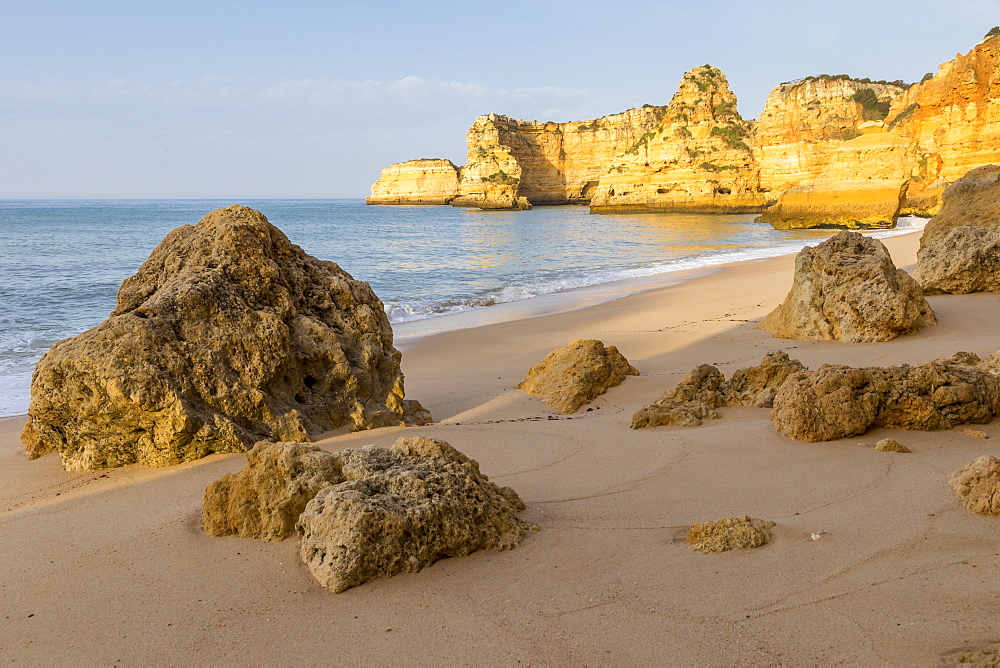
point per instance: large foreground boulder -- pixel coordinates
(848, 289)
(704, 389)
(368, 512)
(402, 509)
(837, 401)
(570, 377)
(228, 334)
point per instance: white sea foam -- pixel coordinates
(545, 283)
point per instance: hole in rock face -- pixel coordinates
(724, 191)
(660, 191)
(300, 399)
(309, 381)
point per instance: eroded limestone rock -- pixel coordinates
(836, 401)
(403, 508)
(971, 201)
(966, 260)
(228, 334)
(848, 289)
(978, 485)
(729, 533)
(757, 385)
(704, 389)
(265, 499)
(570, 377)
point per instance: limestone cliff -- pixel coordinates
(696, 159)
(827, 150)
(824, 150)
(491, 178)
(424, 181)
(954, 120)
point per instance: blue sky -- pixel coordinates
(253, 99)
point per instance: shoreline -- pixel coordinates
(901, 574)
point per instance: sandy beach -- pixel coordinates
(112, 566)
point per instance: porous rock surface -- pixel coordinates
(978, 485)
(966, 260)
(403, 508)
(704, 389)
(570, 377)
(265, 499)
(960, 247)
(228, 334)
(729, 533)
(837, 401)
(848, 289)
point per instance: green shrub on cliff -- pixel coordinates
(872, 109)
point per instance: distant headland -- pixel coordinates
(827, 151)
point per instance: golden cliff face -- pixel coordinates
(424, 181)
(954, 120)
(827, 151)
(698, 158)
(553, 163)
(491, 177)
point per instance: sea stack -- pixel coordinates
(227, 335)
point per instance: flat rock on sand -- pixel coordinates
(228, 334)
(848, 289)
(729, 533)
(570, 377)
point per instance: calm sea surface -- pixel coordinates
(61, 261)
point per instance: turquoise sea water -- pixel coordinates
(61, 261)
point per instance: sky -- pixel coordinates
(308, 99)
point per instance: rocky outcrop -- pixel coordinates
(848, 289)
(697, 159)
(978, 485)
(403, 508)
(705, 389)
(827, 156)
(837, 401)
(265, 499)
(971, 201)
(227, 335)
(729, 533)
(491, 178)
(966, 260)
(757, 385)
(424, 181)
(960, 247)
(953, 118)
(570, 377)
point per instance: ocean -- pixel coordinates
(62, 261)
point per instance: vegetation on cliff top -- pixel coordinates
(847, 77)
